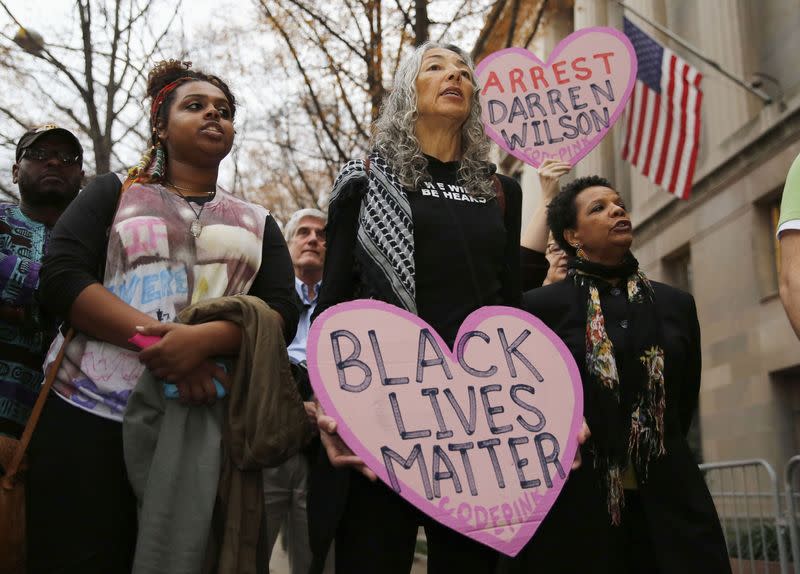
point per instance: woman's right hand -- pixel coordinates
(339, 453)
(550, 172)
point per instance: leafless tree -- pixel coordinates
(91, 81)
(344, 56)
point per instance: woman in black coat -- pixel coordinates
(638, 503)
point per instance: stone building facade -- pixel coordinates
(720, 244)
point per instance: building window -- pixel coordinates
(774, 217)
(678, 269)
(678, 273)
(766, 245)
(787, 388)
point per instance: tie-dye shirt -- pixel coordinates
(155, 265)
(23, 342)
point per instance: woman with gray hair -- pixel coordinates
(424, 224)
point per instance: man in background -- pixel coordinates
(48, 172)
(285, 487)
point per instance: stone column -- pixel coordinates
(556, 25)
(601, 159)
(641, 196)
(727, 44)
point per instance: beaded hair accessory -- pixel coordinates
(152, 164)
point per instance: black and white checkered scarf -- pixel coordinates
(385, 241)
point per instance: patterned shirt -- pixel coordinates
(155, 265)
(23, 341)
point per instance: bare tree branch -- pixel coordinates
(491, 21)
(513, 25)
(306, 79)
(455, 18)
(8, 192)
(538, 21)
(324, 23)
(14, 117)
(342, 56)
(104, 70)
(406, 14)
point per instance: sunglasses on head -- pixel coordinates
(39, 154)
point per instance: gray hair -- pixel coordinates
(291, 225)
(394, 137)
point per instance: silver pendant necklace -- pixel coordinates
(196, 228)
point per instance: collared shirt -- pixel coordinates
(297, 349)
(790, 202)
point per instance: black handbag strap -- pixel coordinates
(7, 482)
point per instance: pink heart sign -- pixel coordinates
(480, 438)
(562, 108)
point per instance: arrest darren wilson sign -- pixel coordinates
(560, 109)
(480, 437)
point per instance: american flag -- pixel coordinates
(663, 130)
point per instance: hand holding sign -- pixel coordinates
(560, 109)
(480, 438)
(338, 453)
(550, 172)
(583, 436)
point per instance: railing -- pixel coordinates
(791, 488)
(762, 535)
(748, 500)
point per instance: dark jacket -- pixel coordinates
(682, 523)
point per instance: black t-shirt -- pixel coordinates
(78, 246)
(466, 249)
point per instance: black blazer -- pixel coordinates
(682, 523)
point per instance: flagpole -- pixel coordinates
(666, 31)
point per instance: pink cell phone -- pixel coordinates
(144, 341)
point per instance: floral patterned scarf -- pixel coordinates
(626, 385)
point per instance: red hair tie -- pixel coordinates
(161, 95)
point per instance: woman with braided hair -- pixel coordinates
(167, 238)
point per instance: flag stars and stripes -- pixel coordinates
(663, 118)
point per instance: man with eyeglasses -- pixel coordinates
(48, 172)
(557, 262)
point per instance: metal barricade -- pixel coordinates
(746, 494)
(791, 488)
